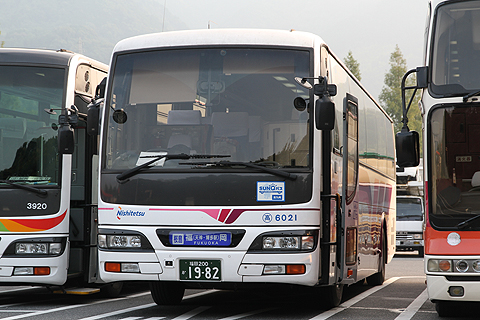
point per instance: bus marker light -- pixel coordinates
(113, 267)
(41, 271)
(295, 269)
(274, 269)
(445, 265)
(23, 271)
(456, 291)
(130, 267)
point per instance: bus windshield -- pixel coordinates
(235, 103)
(455, 61)
(454, 166)
(28, 136)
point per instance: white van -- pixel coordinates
(410, 217)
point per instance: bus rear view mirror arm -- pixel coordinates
(408, 142)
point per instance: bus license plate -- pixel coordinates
(206, 270)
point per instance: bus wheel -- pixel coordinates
(112, 290)
(167, 293)
(444, 308)
(332, 295)
(378, 278)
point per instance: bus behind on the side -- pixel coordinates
(450, 84)
(48, 167)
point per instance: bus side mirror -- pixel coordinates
(66, 139)
(422, 77)
(408, 148)
(324, 115)
(100, 90)
(93, 117)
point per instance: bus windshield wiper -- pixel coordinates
(181, 156)
(25, 187)
(273, 171)
(465, 223)
(471, 94)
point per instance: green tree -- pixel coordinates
(353, 65)
(391, 94)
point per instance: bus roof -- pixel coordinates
(436, 3)
(40, 56)
(220, 37)
(45, 57)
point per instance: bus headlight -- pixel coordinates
(282, 243)
(123, 240)
(285, 241)
(461, 266)
(439, 265)
(476, 265)
(119, 241)
(454, 266)
(38, 248)
(30, 248)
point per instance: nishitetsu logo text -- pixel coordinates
(129, 213)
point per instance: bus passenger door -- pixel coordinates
(349, 231)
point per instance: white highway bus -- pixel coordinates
(47, 212)
(450, 84)
(242, 157)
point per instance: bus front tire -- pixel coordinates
(112, 290)
(332, 295)
(167, 293)
(444, 308)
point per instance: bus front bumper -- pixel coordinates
(210, 266)
(440, 288)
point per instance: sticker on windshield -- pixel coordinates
(270, 191)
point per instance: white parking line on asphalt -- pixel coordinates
(412, 309)
(191, 313)
(407, 314)
(117, 312)
(247, 314)
(347, 304)
(144, 306)
(36, 313)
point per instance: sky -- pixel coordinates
(371, 29)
